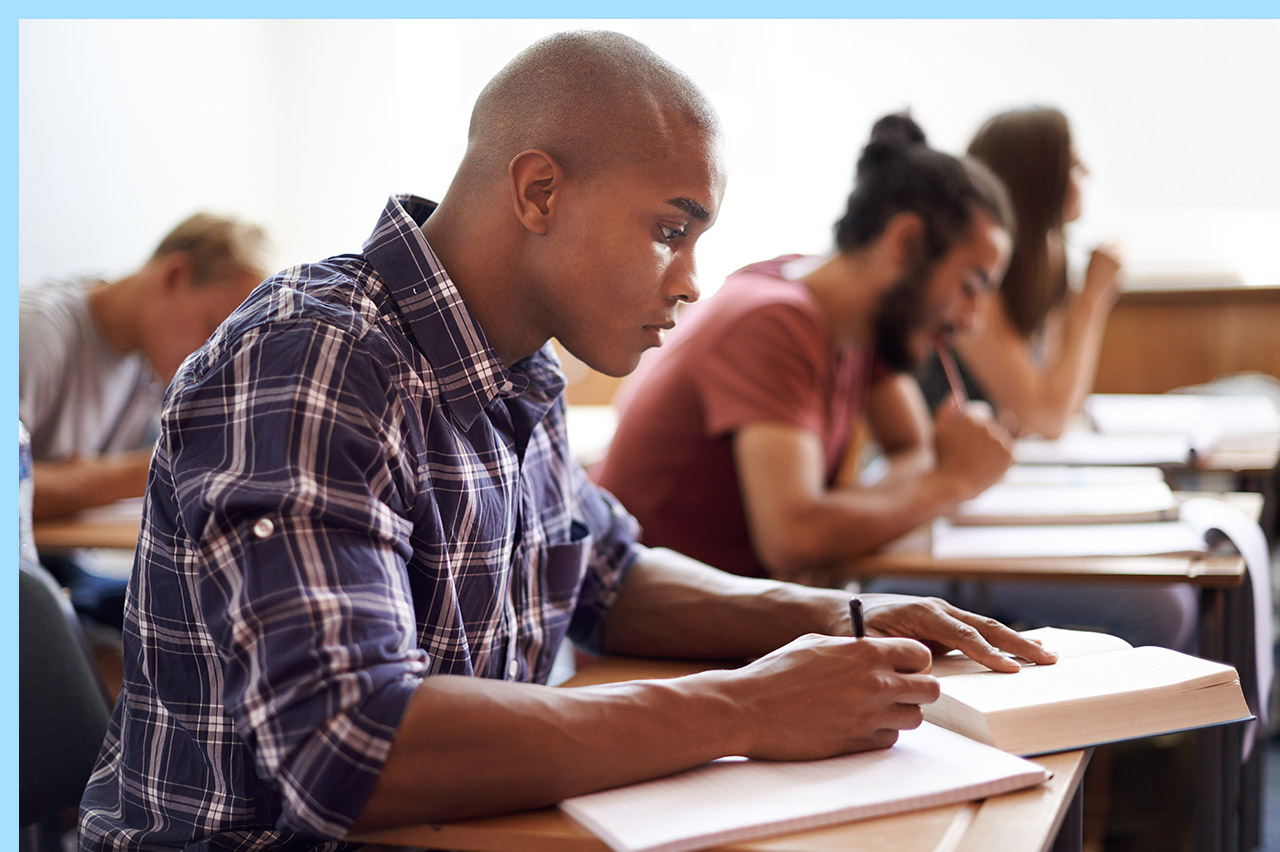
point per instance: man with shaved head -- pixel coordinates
(365, 539)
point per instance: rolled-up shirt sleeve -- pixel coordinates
(296, 492)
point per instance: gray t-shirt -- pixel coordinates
(77, 395)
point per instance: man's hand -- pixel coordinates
(973, 450)
(820, 696)
(943, 627)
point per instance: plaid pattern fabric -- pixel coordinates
(350, 493)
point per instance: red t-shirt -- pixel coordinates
(756, 352)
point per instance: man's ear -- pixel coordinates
(176, 270)
(903, 239)
(535, 185)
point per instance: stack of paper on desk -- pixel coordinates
(735, 799)
(1117, 502)
(1037, 541)
(1101, 690)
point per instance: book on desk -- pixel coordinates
(1101, 690)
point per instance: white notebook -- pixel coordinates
(735, 799)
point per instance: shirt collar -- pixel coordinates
(469, 372)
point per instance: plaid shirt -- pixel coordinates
(350, 493)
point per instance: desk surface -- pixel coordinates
(113, 527)
(1024, 821)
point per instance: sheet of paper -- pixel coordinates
(1049, 540)
(1079, 475)
(1203, 514)
(1182, 414)
(736, 799)
(1092, 448)
(1003, 500)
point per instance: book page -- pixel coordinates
(736, 798)
(1068, 643)
(1072, 679)
(1154, 538)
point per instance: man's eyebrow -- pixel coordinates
(691, 207)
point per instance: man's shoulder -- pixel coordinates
(53, 301)
(334, 292)
(764, 290)
(333, 303)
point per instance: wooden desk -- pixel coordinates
(1024, 821)
(910, 557)
(113, 527)
(1228, 789)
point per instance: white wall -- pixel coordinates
(127, 126)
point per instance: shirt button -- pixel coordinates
(513, 669)
(263, 528)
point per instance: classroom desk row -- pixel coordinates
(1020, 821)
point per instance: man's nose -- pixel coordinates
(682, 283)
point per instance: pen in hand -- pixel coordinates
(953, 374)
(855, 612)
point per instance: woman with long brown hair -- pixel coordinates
(1035, 356)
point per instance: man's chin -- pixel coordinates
(613, 364)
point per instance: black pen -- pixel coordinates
(855, 612)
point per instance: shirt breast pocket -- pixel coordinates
(565, 564)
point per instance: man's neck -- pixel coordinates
(479, 262)
(846, 288)
(115, 308)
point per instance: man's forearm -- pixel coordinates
(60, 488)
(674, 606)
(470, 747)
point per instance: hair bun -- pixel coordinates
(898, 129)
(889, 136)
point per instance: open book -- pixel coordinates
(1101, 690)
(735, 798)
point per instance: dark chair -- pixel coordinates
(63, 707)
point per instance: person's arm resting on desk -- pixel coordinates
(802, 529)
(502, 746)
(61, 488)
